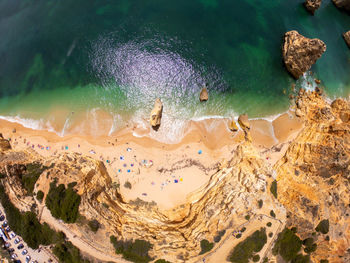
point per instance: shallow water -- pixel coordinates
(83, 56)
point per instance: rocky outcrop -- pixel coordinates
(312, 5)
(300, 53)
(203, 96)
(346, 37)
(244, 122)
(156, 114)
(342, 4)
(233, 126)
(4, 144)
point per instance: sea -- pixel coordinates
(96, 66)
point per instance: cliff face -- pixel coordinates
(313, 176)
(312, 182)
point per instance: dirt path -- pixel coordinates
(79, 243)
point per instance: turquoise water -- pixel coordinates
(118, 56)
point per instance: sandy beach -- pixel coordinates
(160, 172)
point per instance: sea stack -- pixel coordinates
(204, 94)
(347, 38)
(312, 5)
(156, 114)
(300, 53)
(342, 4)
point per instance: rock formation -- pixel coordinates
(203, 96)
(312, 5)
(4, 144)
(156, 114)
(342, 4)
(233, 126)
(347, 38)
(244, 122)
(300, 53)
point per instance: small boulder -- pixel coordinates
(300, 53)
(346, 37)
(233, 126)
(156, 114)
(312, 5)
(203, 96)
(244, 122)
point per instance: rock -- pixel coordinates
(298, 113)
(204, 95)
(342, 4)
(312, 5)
(346, 37)
(233, 126)
(14, 130)
(300, 53)
(339, 105)
(244, 122)
(4, 144)
(156, 114)
(317, 81)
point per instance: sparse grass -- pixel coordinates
(206, 246)
(248, 248)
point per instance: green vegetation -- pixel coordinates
(324, 261)
(161, 261)
(323, 226)
(288, 245)
(243, 229)
(218, 237)
(127, 185)
(260, 203)
(40, 196)
(256, 258)
(273, 188)
(301, 259)
(206, 246)
(133, 251)
(270, 234)
(34, 170)
(272, 213)
(269, 224)
(238, 236)
(63, 203)
(246, 249)
(247, 217)
(66, 252)
(265, 260)
(94, 225)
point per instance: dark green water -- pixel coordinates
(119, 55)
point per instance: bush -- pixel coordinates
(246, 249)
(63, 203)
(206, 246)
(218, 237)
(273, 188)
(266, 260)
(247, 217)
(94, 225)
(270, 234)
(324, 261)
(66, 252)
(40, 196)
(133, 251)
(260, 203)
(287, 245)
(34, 170)
(161, 261)
(272, 213)
(301, 259)
(256, 258)
(323, 226)
(127, 185)
(269, 224)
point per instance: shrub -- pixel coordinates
(33, 172)
(94, 225)
(324, 261)
(218, 237)
(301, 259)
(272, 213)
(136, 251)
(270, 234)
(238, 236)
(161, 261)
(269, 224)
(273, 188)
(247, 217)
(260, 203)
(266, 260)
(287, 245)
(246, 249)
(63, 203)
(206, 246)
(243, 229)
(323, 226)
(66, 252)
(127, 185)
(40, 196)
(256, 258)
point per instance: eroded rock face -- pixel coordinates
(312, 5)
(342, 4)
(4, 144)
(203, 96)
(233, 126)
(244, 122)
(346, 37)
(156, 113)
(300, 53)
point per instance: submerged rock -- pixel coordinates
(312, 5)
(156, 114)
(300, 53)
(204, 95)
(342, 4)
(346, 37)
